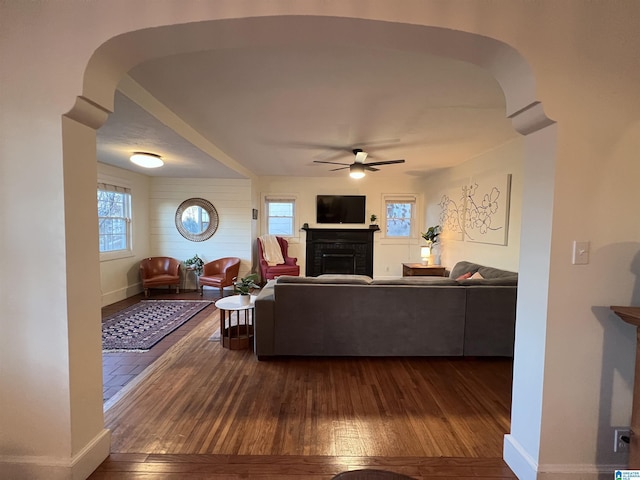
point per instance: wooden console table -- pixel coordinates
(420, 270)
(632, 315)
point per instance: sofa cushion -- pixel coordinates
(327, 279)
(463, 267)
(415, 281)
(490, 272)
(506, 281)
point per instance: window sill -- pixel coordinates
(399, 240)
(117, 255)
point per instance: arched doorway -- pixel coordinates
(507, 66)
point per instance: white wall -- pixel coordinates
(504, 159)
(584, 56)
(388, 253)
(232, 200)
(119, 278)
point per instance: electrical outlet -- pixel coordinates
(621, 440)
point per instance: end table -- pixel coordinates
(236, 322)
(420, 270)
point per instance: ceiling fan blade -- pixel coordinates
(336, 169)
(317, 146)
(388, 162)
(332, 163)
(371, 169)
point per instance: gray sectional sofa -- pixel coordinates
(355, 315)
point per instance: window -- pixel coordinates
(400, 216)
(280, 216)
(114, 218)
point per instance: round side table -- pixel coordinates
(236, 322)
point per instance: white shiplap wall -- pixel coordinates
(232, 200)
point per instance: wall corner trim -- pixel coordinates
(88, 113)
(530, 119)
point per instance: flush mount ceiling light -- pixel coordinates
(356, 170)
(146, 160)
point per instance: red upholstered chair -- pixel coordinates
(219, 273)
(159, 271)
(289, 266)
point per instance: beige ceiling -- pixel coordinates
(274, 110)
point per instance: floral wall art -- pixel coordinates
(478, 211)
(452, 213)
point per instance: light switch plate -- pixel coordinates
(580, 252)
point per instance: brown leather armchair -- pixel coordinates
(219, 273)
(159, 271)
(289, 267)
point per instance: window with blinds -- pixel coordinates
(280, 215)
(114, 218)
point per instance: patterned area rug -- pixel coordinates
(140, 326)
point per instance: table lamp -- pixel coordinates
(425, 253)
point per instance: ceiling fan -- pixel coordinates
(357, 169)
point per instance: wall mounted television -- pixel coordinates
(340, 208)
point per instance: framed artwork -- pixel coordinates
(478, 211)
(254, 213)
(487, 209)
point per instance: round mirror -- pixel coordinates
(196, 219)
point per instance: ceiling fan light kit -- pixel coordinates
(356, 170)
(146, 160)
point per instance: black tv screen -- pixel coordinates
(340, 208)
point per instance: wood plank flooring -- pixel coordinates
(207, 412)
(293, 467)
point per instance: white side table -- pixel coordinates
(236, 322)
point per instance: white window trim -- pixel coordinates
(285, 197)
(106, 183)
(416, 220)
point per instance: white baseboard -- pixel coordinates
(121, 294)
(518, 460)
(79, 467)
(526, 468)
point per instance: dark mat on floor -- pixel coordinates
(140, 326)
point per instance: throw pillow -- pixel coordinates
(476, 276)
(464, 276)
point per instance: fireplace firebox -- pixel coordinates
(339, 251)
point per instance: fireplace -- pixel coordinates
(339, 251)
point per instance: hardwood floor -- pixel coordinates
(121, 368)
(293, 467)
(208, 412)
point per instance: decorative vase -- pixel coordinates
(434, 259)
(245, 299)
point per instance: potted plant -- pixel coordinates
(431, 236)
(194, 263)
(244, 286)
(373, 219)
